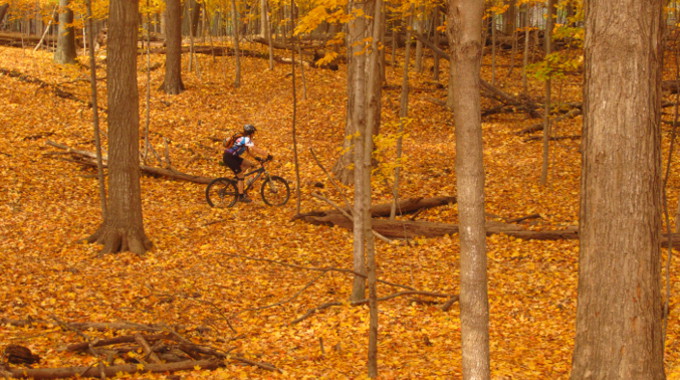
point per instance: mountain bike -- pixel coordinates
(223, 193)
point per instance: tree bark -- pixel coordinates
(548, 95)
(359, 31)
(465, 30)
(66, 40)
(3, 11)
(235, 19)
(123, 228)
(172, 83)
(357, 120)
(618, 321)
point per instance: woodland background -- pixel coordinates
(203, 277)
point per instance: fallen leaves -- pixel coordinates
(193, 277)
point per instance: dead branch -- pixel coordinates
(489, 90)
(41, 83)
(312, 311)
(116, 340)
(325, 269)
(148, 352)
(112, 371)
(539, 127)
(523, 218)
(90, 157)
(348, 216)
(554, 138)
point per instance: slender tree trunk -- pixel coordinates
(123, 228)
(357, 120)
(237, 54)
(548, 94)
(375, 65)
(95, 111)
(66, 39)
(435, 40)
(465, 30)
(619, 319)
(358, 34)
(419, 22)
(525, 60)
(403, 113)
(3, 11)
(173, 56)
(268, 32)
(492, 20)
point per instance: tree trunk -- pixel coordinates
(509, 26)
(235, 18)
(618, 321)
(357, 121)
(403, 113)
(66, 39)
(172, 83)
(3, 11)
(267, 32)
(356, 64)
(419, 23)
(465, 30)
(548, 95)
(123, 228)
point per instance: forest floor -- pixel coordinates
(203, 276)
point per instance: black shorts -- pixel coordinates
(233, 162)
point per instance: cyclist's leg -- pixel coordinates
(234, 163)
(246, 165)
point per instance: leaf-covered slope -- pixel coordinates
(202, 277)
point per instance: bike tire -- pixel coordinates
(221, 193)
(275, 191)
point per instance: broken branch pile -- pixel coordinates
(160, 353)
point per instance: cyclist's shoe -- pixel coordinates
(244, 198)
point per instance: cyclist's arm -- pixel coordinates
(256, 152)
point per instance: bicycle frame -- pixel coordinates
(249, 183)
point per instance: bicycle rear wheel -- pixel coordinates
(221, 193)
(275, 191)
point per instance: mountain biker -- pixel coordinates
(232, 158)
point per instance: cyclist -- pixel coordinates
(232, 158)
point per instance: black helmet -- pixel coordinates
(249, 129)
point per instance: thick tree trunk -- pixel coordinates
(66, 40)
(618, 322)
(123, 228)
(465, 30)
(173, 56)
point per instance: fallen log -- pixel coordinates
(539, 127)
(89, 158)
(112, 371)
(41, 83)
(404, 206)
(408, 229)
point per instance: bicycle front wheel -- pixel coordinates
(275, 191)
(221, 193)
